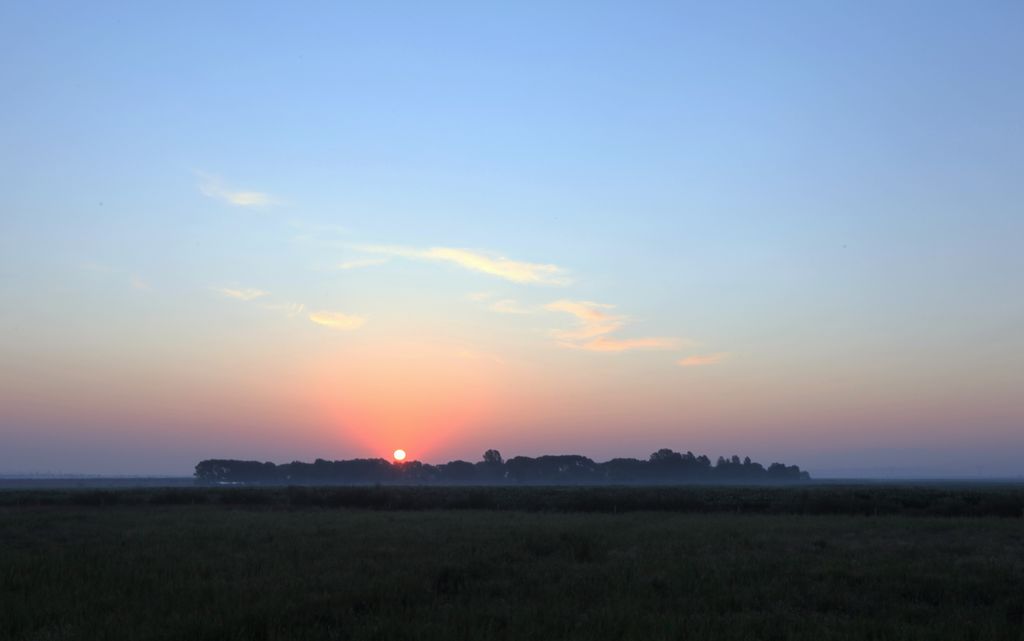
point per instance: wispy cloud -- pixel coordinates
(486, 263)
(509, 306)
(337, 320)
(248, 294)
(359, 263)
(214, 187)
(240, 294)
(595, 326)
(591, 319)
(698, 360)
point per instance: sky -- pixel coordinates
(281, 231)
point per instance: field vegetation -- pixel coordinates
(947, 500)
(512, 563)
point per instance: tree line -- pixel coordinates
(662, 467)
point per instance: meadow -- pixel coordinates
(858, 562)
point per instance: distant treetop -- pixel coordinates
(662, 467)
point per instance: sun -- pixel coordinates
(399, 455)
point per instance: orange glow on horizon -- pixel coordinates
(373, 396)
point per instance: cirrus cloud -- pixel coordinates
(496, 265)
(595, 326)
(591, 319)
(241, 294)
(338, 320)
(359, 263)
(214, 187)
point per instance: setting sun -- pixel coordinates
(399, 455)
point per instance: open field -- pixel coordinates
(263, 564)
(935, 499)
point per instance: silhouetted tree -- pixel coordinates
(492, 468)
(457, 472)
(665, 455)
(624, 470)
(663, 466)
(568, 468)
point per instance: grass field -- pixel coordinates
(938, 499)
(136, 568)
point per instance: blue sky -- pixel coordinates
(821, 200)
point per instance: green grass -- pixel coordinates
(221, 572)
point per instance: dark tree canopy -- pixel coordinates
(662, 467)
